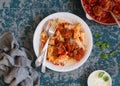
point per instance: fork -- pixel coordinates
(38, 62)
(50, 29)
(51, 32)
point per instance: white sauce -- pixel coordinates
(94, 80)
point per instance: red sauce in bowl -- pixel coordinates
(99, 10)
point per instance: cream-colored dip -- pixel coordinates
(98, 78)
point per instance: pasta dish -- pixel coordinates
(67, 44)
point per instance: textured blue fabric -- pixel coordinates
(22, 16)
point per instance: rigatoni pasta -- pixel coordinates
(67, 44)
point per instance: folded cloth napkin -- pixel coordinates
(15, 65)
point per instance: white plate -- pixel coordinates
(70, 18)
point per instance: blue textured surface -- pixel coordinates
(22, 16)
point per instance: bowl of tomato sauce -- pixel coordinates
(99, 10)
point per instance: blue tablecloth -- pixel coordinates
(22, 16)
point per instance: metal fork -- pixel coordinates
(38, 62)
(51, 32)
(51, 29)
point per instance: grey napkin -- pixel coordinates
(15, 67)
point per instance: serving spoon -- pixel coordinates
(116, 19)
(108, 8)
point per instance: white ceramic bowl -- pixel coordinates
(94, 74)
(70, 18)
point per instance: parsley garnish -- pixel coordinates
(113, 53)
(104, 55)
(100, 75)
(97, 35)
(105, 78)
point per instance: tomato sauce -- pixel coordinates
(67, 47)
(99, 10)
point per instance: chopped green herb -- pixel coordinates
(107, 44)
(113, 53)
(105, 78)
(100, 75)
(102, 46)
(98, 43)
(97, 35)
(104, 55)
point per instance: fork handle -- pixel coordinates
(39, 60)
(43, 69)
(45, 55)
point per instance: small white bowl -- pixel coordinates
(70, 18)
(93, 77)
